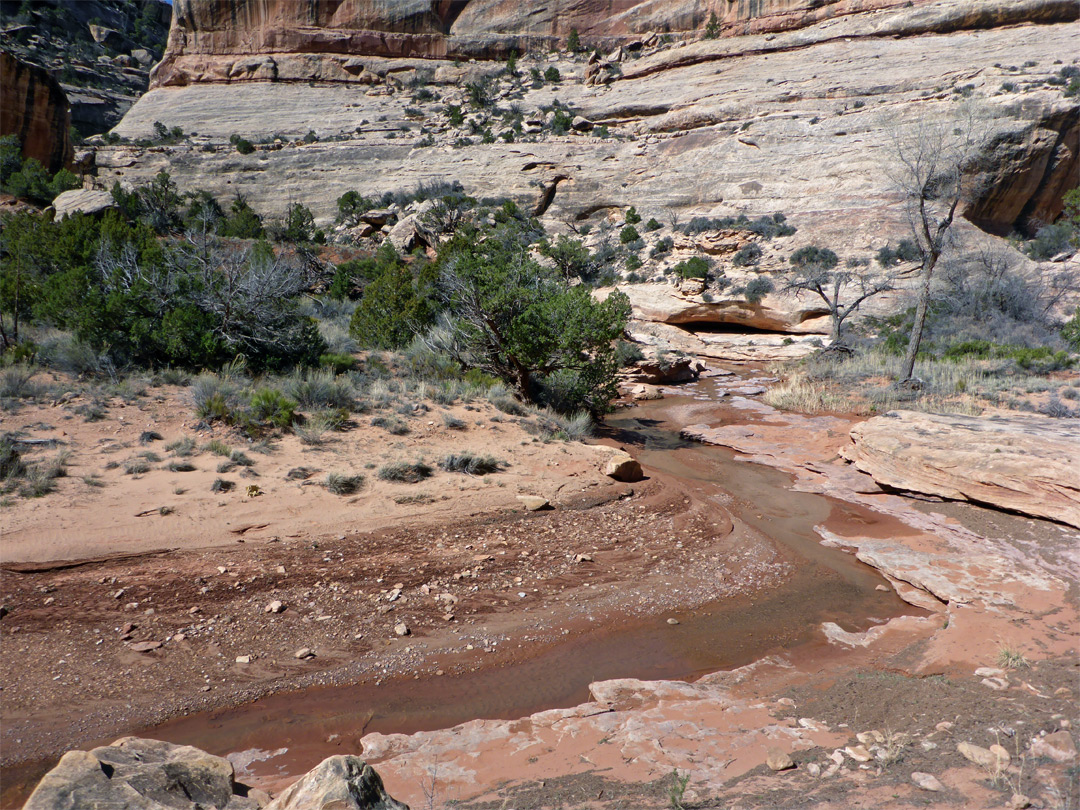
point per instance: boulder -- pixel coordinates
(533, 503)
(779, 760)
(1023, 464)
(83, 200)
(409, 234)
(141, 775)
(667, 370)
(623, 467)
(338, 783)
(1058, 746)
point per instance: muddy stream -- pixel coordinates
(286, 734)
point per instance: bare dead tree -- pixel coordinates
(930, 161)
(842, 289)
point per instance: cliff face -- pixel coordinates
(208, 36)
(34, 107)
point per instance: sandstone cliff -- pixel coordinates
(34, 107)
(208, 35)
(798, 121)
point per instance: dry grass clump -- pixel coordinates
(471, 464)
(404, 472)
(341, 484)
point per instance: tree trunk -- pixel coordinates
(917, 328)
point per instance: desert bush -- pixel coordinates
(747, 256)
(17, 382)
(342, 484)
(11, 463)
(137, 466)
(180, 466)
(629, 234)
(405, 472)
(694, 267)
(627, 353)
(756, 289)
(471, 464)
(182, 447)
(218, 448)
(222, 485)
(392, 425)
(271, 407)
(905, 251)
(451, 422)
(320, 389)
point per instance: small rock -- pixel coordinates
(578, 558)
(304, 653)
(989, 672)
(533, 503)
(1058, 746)
(977, 754)
(880, 588)
(244, 659)
(814, 770)
(145, 646)
(401, 629)
(858, 753)
(1002, 755)
(944, 725)
(997, 684)
(274, 607)
(779, 760)
(645, 392)
(927, 782)
(1019, 801)
(394, 595)
(672, 621)
(622, 467)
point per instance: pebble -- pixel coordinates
(401, 629)
(927, 782)
(672, 621)
(304, 653)
(243, 659)
(858, 753)
(277, 606)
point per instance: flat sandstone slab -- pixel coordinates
(1024, 464)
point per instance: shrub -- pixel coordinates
(573, 41)
(341, 484)
(747, 256)
(218, 448)
(395, 306)
(471, 464)
(243, 146)
(222, 485)
(694, 267)
(180, 466)
(271, 407)
(552, 75)
(184, 446)
(11, 463)
(629, 234)
(392, 425)
(320, 389)
(451, 422)
(653, 225)
(632, 216)
(757, 289)
(1050, 240)
(336, 362)
(627, 353)
(905, 251)
(404, 472)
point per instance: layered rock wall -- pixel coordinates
(209, 36)
(34, 108)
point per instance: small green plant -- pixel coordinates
(451, 422)
(180, 466)
(712, 27)
(392, 425)
(629, 234)
(694, 267)
(270, 406)
(340, 484)
(552, 75)
(404, 472)
(677, 788)
(218, 448)
(653, 225)
(632, 216)
(747, 256)
(573, 42)
(137, 466)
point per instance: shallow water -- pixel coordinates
(828, 585)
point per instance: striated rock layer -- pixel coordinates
(1024, 464)
(208, 35)
(34, 107)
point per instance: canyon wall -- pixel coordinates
(208, 35)
(34, 108)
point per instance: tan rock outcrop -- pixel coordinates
(341, 783)
(34, 108)
(1023, 464)
(138, 773)
(799, 123)
(209, 34)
